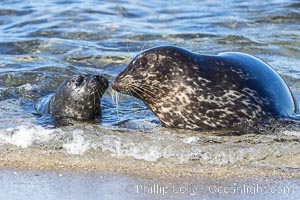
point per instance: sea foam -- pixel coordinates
(78, 145)
(26, 135)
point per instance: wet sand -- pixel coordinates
(67, 185)
(51, 160)
(44, 174)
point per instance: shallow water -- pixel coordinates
(44, 42)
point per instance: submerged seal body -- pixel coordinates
(79, 97)
(193, 91)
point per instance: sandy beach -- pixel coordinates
(49, 174)
(49, 160)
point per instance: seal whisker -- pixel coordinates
(144, 45)
(134, 90)
(152, 89)
(94, 94)
(129, 91)
(99, 91)
(143, 88)
(131, 55)
(148, 90)
(141, 91)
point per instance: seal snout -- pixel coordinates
(116, 85)
(78, 80)
(103, 81)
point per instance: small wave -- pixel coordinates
(20, 47)
(77, 145)
(291, 17)
(26, 135)
(291, 133)
(190, 140)
(11, 12)
(239, 40)
(144, 150)
(294, 5)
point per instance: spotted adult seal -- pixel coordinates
(192, 91)
(79, 97)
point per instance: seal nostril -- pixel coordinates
(98, 77)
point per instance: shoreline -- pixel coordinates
(113, 185)
(52, 160)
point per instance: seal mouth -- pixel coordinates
(121, 86)
(98, 79)
(139, 91)
(97, 83)
(93, 83)
(116, 85)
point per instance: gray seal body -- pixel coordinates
(194, 91)
(79, 97)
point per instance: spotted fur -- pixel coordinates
(193, 91)
(79, 97)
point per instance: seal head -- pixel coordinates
(79, 97)
(194, 91)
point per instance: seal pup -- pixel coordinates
(193, 91)
(79, 97)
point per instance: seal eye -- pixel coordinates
(141, 63)
(78, 80)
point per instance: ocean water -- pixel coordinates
(44, 42)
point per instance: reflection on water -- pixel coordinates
(44, 42)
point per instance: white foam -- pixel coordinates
(144, 150)
(26, 87)
(291, 133)
(151, 154)
(78, 145)
(25, 135)
(190, 140)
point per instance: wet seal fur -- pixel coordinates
(79, 97)
(192, 91)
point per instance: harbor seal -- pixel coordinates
(79, 97)
(193, 91)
